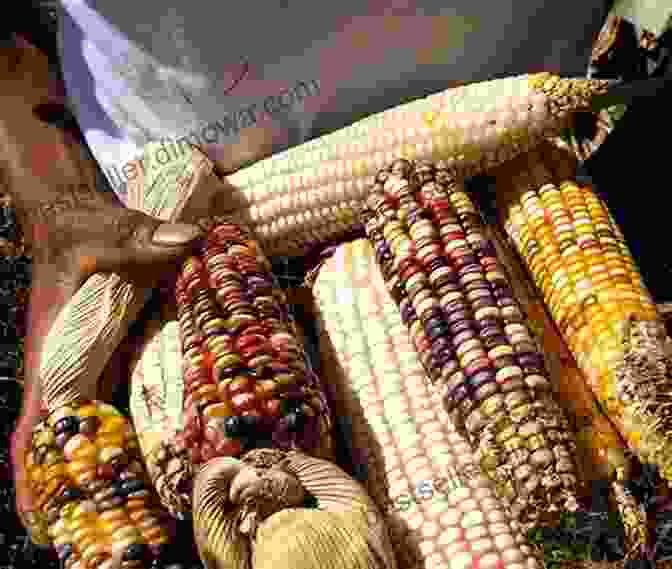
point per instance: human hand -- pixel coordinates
(72, 229)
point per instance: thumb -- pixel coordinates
(156, 243)
(175, 234)
(150, 248)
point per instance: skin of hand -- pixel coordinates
(72, 229)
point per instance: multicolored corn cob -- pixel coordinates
(246, 379)
(470, 333)
(254, 421)
(582, 265)
(93, 497)
(315, 191)
(244, 374)
(442, 512)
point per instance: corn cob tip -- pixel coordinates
(642, 382)
(566, 95)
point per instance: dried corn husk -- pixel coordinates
(289, 535)
(247, 513)
(156, 407)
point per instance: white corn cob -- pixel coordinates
(381, 386)
(312, 191)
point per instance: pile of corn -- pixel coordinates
(590, 282)
(94, 501)
(471, 335)
(442, 512)
(256, 425)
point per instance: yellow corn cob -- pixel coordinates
(471, 333)
(92, 494)
(591, 284)
(314, 192)
(441, 511)
(602, 451)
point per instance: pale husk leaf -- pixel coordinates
(312, 539)
(350, 511)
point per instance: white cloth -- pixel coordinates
(254, 77)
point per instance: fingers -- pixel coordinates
(49, 292)
(24, 497)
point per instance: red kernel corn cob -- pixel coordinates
(246, 380)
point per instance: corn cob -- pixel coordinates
(320, 185)
(471, 335)
(235, 453)
(245, 373)
(441, 511)
(156, 395)
(314, 192)
(93, 498)
(595, 293)
(603, 453)
(245, 380)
